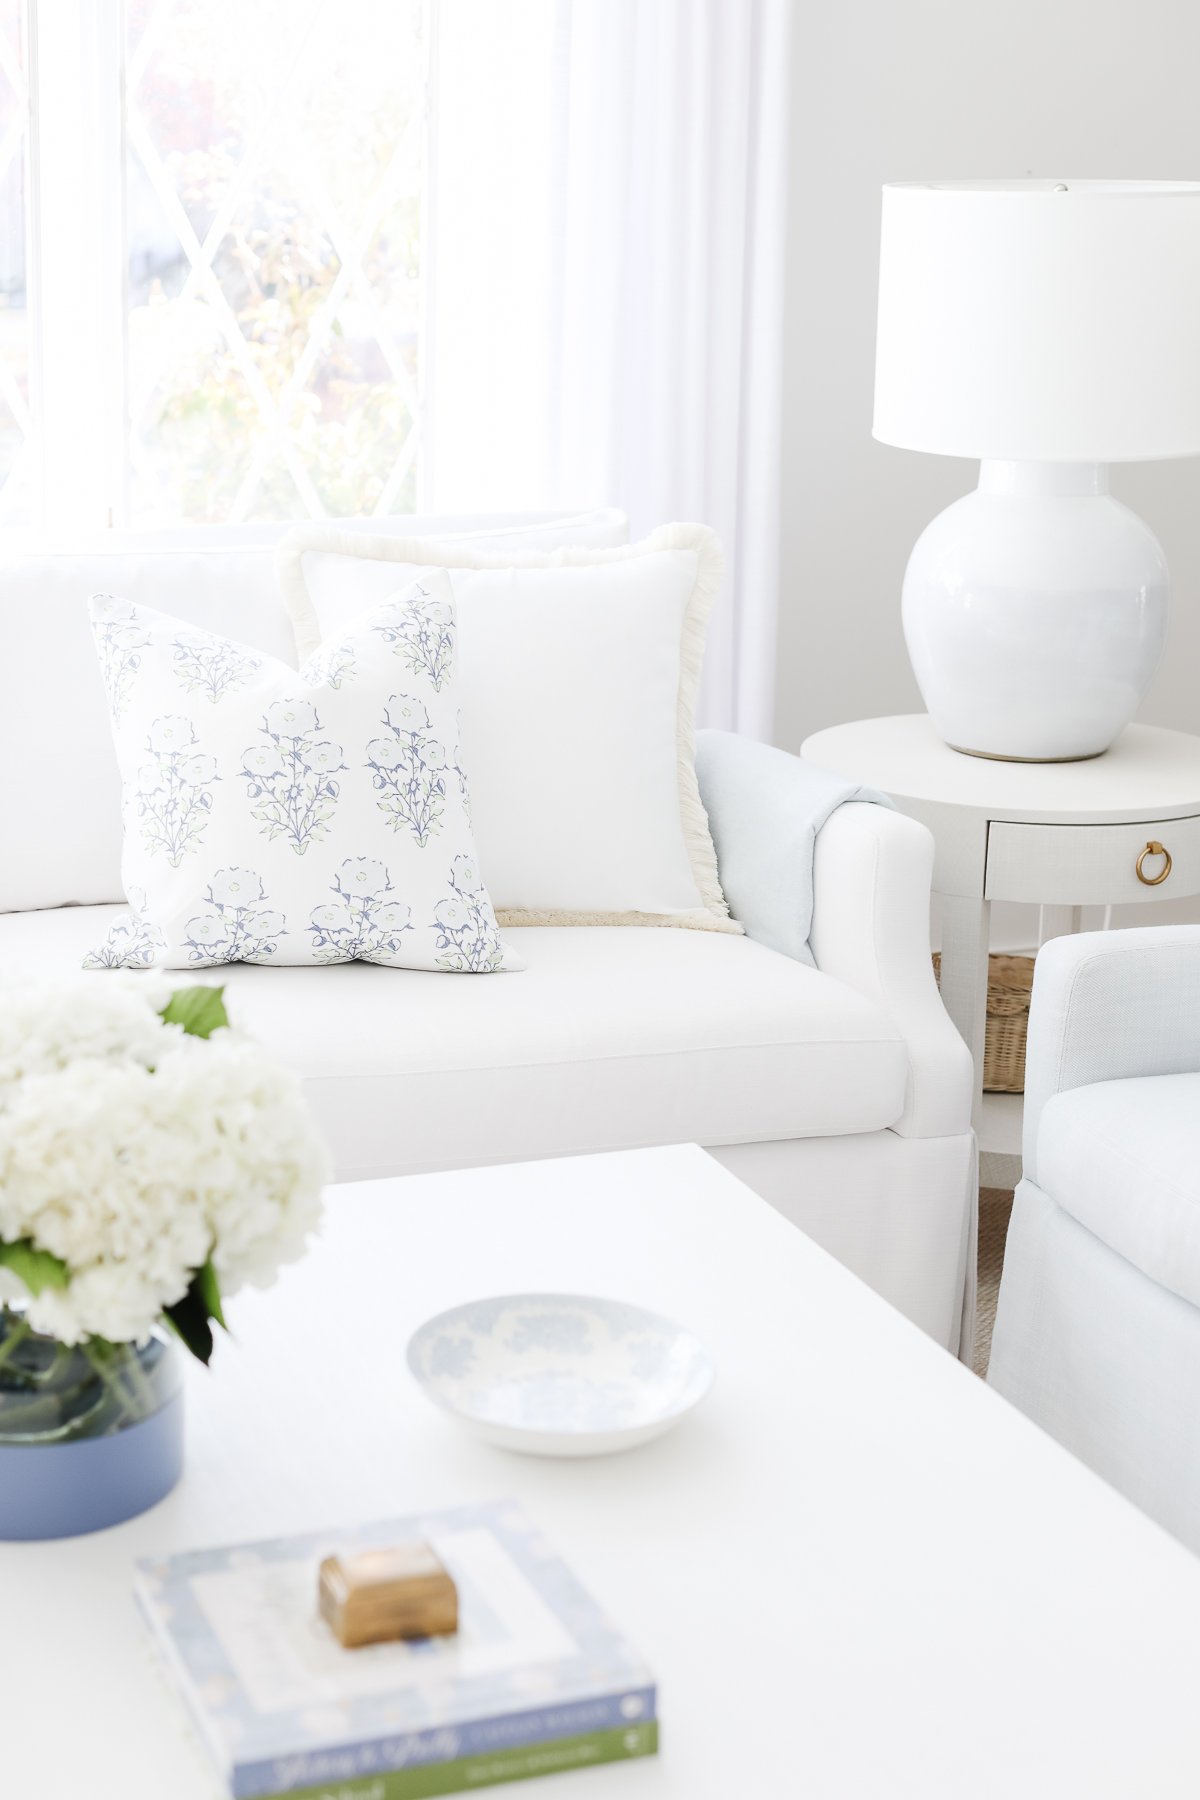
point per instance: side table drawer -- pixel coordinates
(1092, 865)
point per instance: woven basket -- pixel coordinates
(1010, 979)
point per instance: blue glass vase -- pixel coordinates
(90, 1434)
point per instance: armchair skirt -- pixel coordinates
(1097, 1332)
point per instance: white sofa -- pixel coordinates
(1098, 1326)
(840, 1092)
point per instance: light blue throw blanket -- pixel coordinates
(765, 809)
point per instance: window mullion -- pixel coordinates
(77, 274)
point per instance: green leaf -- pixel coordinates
(38, 1269)
(200, 1010)
(210, 1292)
(190, 1317)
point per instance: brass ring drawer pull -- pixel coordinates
(1153, 848)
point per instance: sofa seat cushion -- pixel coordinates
(1123, 1158)
(610, 1038)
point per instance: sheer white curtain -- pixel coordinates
(606, 294)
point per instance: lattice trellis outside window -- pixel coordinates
(228, 224)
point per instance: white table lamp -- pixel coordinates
(1049, 329)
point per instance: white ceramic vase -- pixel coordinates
(1035, 612)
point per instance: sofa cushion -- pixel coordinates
(295, 816)
(1123, 1158)
(60, 815)
(578, 670)
(613, 1037)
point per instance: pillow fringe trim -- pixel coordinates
(698, 919)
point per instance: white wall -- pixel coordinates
(906, 89)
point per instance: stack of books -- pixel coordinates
(536, 1680)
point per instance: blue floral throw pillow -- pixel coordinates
(276, 816)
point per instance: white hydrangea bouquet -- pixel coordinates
(152, 1161)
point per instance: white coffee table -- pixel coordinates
(855, 1571)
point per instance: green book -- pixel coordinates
(517, 1764)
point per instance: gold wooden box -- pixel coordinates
(379, 1595)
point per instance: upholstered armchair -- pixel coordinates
(1098, 1328)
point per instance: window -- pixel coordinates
(15, 444)
(223, 215)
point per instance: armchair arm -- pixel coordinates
(871, 930)
(1108, 1005)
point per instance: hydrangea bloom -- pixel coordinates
(134, 1153)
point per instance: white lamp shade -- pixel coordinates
(1041, 321)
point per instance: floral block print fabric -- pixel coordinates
(282, 816)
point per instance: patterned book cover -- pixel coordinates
(535, 1668)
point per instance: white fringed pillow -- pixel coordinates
(281, 816)
(578, 674)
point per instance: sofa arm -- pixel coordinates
(765, 809)
(1108, 1005)
(871, 930)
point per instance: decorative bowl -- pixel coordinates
(560, 1374)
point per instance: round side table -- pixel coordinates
(1122, 827)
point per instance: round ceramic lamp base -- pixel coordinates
(1035, 613)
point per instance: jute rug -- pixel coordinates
(995, 1205)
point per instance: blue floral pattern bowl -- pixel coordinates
(560, 1374)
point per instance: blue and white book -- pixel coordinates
(283, 1707)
